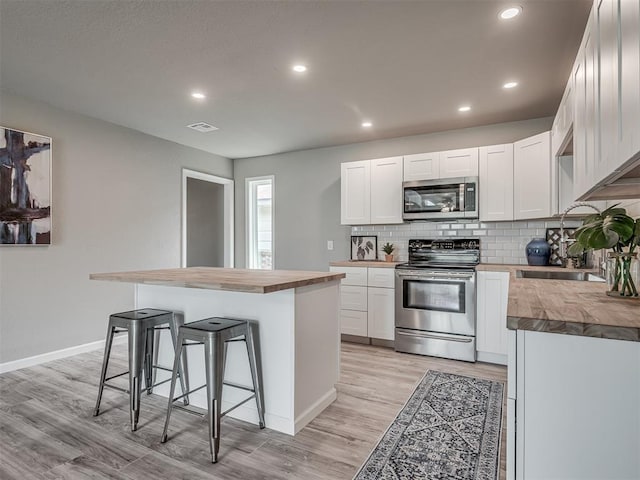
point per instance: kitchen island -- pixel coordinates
(297, 313)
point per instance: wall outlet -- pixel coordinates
(329, 244)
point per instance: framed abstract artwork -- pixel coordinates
(25, 188)
(364, 247)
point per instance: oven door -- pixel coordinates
(436, 301)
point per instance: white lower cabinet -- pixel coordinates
(577, 408)
(380, 311)
(367, 302)
(491, 320)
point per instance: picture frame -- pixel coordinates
(25, 188)
(364, 247)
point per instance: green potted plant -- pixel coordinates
(388, 248)
(613, 229)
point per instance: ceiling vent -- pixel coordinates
(202, 127)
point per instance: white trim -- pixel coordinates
(489, 357)
(228, 185)
(314, 410)
(249, 208)
(56, 355)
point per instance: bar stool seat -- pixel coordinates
(141, 326)
(215, 333)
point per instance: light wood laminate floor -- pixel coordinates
(47, 430)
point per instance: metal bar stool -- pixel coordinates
(141, 326)
(214, 333)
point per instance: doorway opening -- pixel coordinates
(207, 220)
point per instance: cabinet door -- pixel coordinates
(496, 183)
(386, 190)
(355, 190)
(493, 292)
(459, 163)
(607, 29)
(380, 318)
(421, 166)
(353, 322)
(532, 177)
(629, 64)
(580, 182)
(353, 298)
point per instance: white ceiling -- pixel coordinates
(405, 65)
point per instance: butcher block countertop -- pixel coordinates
(567, 306)
(229, 279)
(365, 263)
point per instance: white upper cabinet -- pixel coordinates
(355, 189)
(606, 97)
(459, 163)
(371, 192)
(606, 19)
(496, 182)
(629, 68)
(532, 177)
(563, 121)
(422, 166)
(386, 190)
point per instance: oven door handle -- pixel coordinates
(434, 276)
(450, 338)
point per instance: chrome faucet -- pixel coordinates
(563, 241)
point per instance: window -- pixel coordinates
(260, 222)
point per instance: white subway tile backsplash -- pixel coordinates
(500, 242)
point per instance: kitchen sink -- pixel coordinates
(559, 275)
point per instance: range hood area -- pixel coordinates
(621, 185)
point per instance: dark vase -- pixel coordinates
(538, 252)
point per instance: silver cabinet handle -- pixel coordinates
(435, 337)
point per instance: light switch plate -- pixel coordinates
(329, 244)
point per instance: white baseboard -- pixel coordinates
(56, 355)
(489, 357)
(314, 410)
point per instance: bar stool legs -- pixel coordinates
(215, 333)
(255, 364)
(105, 363)
(215, 356)
(141, 326)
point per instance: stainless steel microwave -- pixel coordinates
(446, 198)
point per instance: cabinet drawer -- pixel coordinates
(381, 277)
(353, 323)
(353, 298)
(355, 275)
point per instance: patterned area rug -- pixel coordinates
(448, 429)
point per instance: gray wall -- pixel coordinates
(205, 223)
(307, 188)
(116, 206)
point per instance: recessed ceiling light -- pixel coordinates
(464, 108)
(299, 68)
(511, 12)
(198, 95)
(510, 85)
(367, 124)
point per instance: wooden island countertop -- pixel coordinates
(229, 279)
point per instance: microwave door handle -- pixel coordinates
(462, 194)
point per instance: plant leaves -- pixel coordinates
(576, 249)
(623, 225)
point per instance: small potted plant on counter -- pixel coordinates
(613, 229)
(388, 248)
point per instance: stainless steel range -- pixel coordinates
(436, 299)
